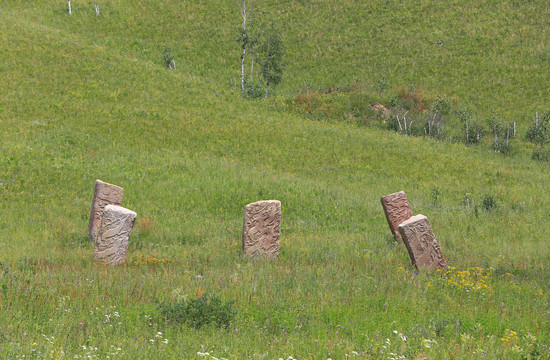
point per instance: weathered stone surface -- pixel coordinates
(104, 194)
(262, 228)
(397, 209)
(419, 239)
(112, 242)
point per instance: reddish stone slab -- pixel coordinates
(419, 239)
(104, 194)
(112, 242)
(262, 228)
(397, 209)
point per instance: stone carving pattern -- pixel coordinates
(104, 194)
(262, 228)
(421, 244)
(397, 209)
(114, 235)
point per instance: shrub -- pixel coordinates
(253, 90)
(416, 128)
(381, 85)
(539, 132)
(502, 133)
(489, 203)
(467, 200)
(271, 54)
(434, 125)
(205, 310)
(392, 124)
(392, 102)
(472, 130)
(441, 105)
(413, 100)
(541, 155)
(435, 195)
(167, 58)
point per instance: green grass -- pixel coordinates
(86, 98)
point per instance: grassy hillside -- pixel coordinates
(86, 97)
(495, 55)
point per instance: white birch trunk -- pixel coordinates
(96, 8)
(242, 69)
(252, 68)
(399, 122)
(244, 14)
(70, 13)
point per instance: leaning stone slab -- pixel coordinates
(112, 242)
(104, 194)
(419, 239)
(262, 228)
(397, 209)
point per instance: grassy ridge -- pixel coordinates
(82, 101)
(495, 56)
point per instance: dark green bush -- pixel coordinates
(473, 131)
(541, 155)
(489, 203)
(416, 128)
(539, 131)
(205, 310)
(253, 90)
(441, 105)
(392, 102)
(168, 58)
(435, 195)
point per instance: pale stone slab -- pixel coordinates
(112, 242)
(262, 228)
(397, 209)
(419, 239)
(104, 194)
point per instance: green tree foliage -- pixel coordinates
(539, 132)
(272, 51)
(473, 132)
(263, 45)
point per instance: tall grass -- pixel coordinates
(86, 97)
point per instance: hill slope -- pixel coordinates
(85, 97)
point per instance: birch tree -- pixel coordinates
(244, 39)
(272, 50)
(96, 5)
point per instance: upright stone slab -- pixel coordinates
(112, 242)
(104, 194)
(419, 239)
(397, 209)
(262, 228)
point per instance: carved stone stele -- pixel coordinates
(419, 239)
(262, 228)
(112, 242)
(397, 209)
(104, 194)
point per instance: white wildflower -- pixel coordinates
(427, 343)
